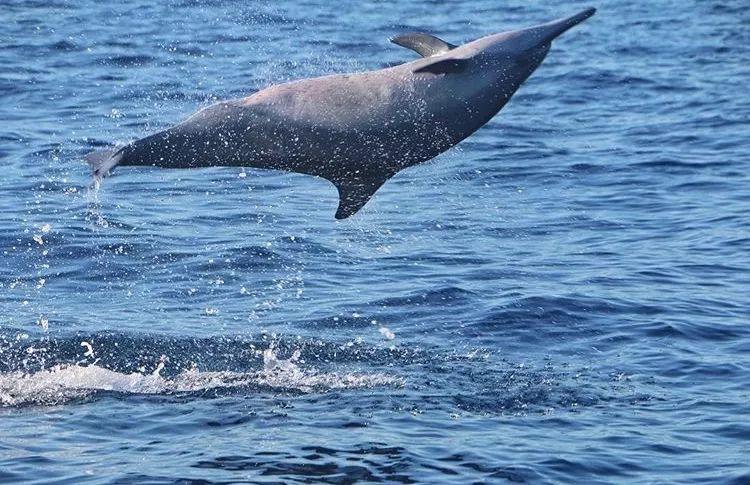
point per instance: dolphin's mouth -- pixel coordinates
(551, 30)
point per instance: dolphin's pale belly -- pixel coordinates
(388, 119)
(327, 126)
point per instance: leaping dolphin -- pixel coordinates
(356, 130)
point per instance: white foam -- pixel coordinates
(63, 383)
(387, 333)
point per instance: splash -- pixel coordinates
(69, 382)
(94, 205)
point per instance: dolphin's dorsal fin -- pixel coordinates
(354, 194)
(425, 45)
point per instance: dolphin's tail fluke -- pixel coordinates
(103, 161)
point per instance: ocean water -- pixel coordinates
(564, 297)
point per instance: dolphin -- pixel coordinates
(356, 130)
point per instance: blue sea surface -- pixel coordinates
(563, 297)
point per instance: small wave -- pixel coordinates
(128, 60)
(64, 383)
(65, 45)
(449, 295)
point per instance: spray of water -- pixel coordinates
(66, 382)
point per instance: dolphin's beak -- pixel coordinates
(546, 33)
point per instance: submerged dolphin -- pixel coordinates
(356, 130)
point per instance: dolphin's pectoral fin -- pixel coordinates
(446, 66)
(425, 45)
(354, 194)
